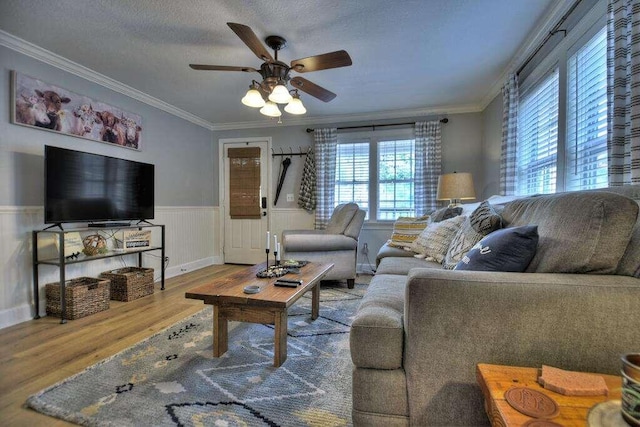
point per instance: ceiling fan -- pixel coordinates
(276, 74)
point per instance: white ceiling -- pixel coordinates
(408, 55)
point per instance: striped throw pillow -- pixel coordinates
(406, 229)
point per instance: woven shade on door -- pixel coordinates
(244, 183)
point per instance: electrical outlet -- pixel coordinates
(289, 197)
(365, 249)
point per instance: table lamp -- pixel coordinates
(455, 187)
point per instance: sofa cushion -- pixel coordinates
(445, 213)
(406, 229)
(482, 221)
(389, 251)
(402, 265)
(580, 232)
(315, 241)
(509, 249)
(377, 332)
(434, 240)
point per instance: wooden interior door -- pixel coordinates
(246, 206)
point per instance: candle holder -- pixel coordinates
(275, 258)
(267, 251)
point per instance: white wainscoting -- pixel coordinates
(191, 241)
(291, 219)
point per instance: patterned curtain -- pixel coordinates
(325, 146)
(623, 92)
(428, 166)
(510, 95)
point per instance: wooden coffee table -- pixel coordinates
(269, 306)
(495, 380)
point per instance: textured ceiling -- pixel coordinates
(407, 55)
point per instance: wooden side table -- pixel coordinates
(495, 380)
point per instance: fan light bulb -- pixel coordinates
(253, 99)
(280, 94)
(295, 106)
(271, 109)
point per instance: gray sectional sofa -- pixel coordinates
(421, 330)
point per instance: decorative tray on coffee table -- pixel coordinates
(288, 266)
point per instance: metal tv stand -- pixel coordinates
(61, 261)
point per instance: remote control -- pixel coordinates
(298, 282)
(286, 284)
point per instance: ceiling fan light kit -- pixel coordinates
(275, 74)
(280, 94)
(253, 98)
(295, 105)
(271, 109)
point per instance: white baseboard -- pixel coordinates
(190, 266)
(15, 315)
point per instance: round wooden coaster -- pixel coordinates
(541, 423)
(531, 402)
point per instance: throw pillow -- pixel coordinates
(406, 229)
(509, 249)
(482, 221)
(434, 240)
(445, 213)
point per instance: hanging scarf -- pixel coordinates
(307, 194)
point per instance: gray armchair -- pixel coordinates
(337, 244)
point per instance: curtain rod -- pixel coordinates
(553, 32)
(445, 120)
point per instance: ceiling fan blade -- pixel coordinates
(221, 68)
(339, 58)
(312, 89)
(252, 41)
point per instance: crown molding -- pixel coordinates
(26, 48)
(342, 118)
(529, 45)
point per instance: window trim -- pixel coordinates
(373, 137)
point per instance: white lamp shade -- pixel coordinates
(456, 186)
(295, 106)
(280, 94)
(253, 99)
(271, 109)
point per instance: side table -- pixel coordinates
(495, 380)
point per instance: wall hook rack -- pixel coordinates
(282, 153)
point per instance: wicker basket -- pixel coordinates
(83, 296)
(130, 283)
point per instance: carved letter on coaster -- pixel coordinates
(531, 402)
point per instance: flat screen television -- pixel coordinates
(85, 187)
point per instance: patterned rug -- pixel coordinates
(172, 379)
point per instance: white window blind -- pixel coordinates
(536, 153)
(352, 174)
(586, 147)
(396, 179)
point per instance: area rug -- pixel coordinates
(172, 378)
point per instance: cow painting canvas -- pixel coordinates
(45, 106)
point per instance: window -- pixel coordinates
(376, 170)
(352, 174)
(536, 154)
(587, 116)
(562, 116)
(395, 179)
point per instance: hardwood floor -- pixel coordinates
(39, 353)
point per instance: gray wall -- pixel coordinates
(183, 153)
(461, 148)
